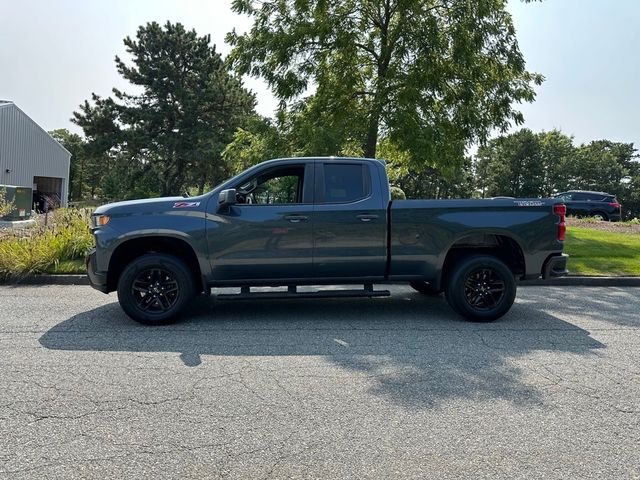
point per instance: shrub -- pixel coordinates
(42, 248)
(5, 206)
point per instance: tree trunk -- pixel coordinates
(372, 134)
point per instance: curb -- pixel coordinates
(47, 279)
(571, 280)
(575, 280)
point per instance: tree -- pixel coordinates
(75, 144)
(432, 76)
(173, 131)
(511, 165)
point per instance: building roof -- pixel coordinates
(7, 103)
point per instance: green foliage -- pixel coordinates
(432, 76)
(41, 249)
(524, 164)
(511, 166)
(171, 134)
(425, 181)
(260, 139)
(595, 252)
(81, 178)
(5, 206)
(397, 193)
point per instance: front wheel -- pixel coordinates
(481, 288)
(154, 288)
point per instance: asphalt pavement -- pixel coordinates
(396, 387)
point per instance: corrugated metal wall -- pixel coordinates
(26, 150)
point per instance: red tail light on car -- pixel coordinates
(561, 210)
(615, 204)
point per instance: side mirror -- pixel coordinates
(227, 197)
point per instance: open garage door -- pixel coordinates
(47, 189)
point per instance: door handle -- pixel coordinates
(296, 218)
(366, 217)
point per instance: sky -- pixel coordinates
(54, 54)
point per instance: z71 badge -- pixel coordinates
(186, 204)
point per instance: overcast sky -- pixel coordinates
(53, 54)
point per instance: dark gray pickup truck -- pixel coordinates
(321, 221)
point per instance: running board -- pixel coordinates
(292, 292)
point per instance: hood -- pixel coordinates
(152, 205)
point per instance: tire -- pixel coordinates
(424, 288)
(469, 288)
(600, 216)
(154, 288)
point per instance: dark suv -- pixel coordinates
(581, 203)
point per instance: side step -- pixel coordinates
(292, 292)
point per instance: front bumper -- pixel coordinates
(555, 266)
(97, 280)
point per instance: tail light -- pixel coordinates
(615, 204)
(560, 209)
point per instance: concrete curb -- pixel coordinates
(575, 280)
(571, 280)
(47, 279)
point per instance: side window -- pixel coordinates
(580, 196)
(345, 182)
(274, 187)
(595, 197)
(565, 197)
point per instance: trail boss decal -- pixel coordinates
(529, 203)
(186, 204)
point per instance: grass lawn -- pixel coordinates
(597, 252)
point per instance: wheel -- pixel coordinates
(154, 288)
(481, 288)
(425, 288)
(600, 216)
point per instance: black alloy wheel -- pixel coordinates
(481, 288)
(484, 289)
(154, 288)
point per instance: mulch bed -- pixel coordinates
(618, 227)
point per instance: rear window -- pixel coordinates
(345, 183)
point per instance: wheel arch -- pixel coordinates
(502, 246)
(133, 248)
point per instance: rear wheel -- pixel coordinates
(600, 216)
(154, 288)
(424, 287)
(481, 288)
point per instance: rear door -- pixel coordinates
(349, 221)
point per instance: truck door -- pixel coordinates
(349, 221)
(268, 234)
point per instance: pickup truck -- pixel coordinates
(321, 221)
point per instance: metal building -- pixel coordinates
(30, 157)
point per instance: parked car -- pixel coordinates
(321, 221)
(600, 205)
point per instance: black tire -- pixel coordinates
(424, 287)
(600, 215)
(481, 288)
(154, 288)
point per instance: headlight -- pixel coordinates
(99, 220)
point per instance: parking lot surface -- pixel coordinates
(396, 387)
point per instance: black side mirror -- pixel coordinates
(227, 197)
